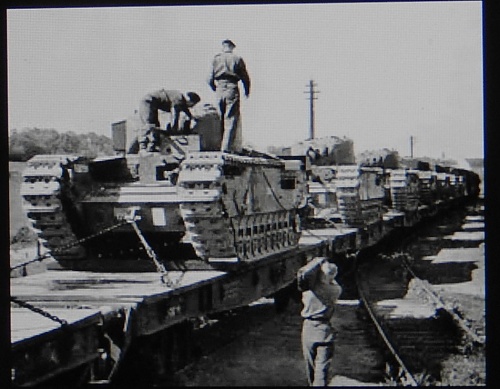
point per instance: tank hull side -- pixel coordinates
(405, 190)
(239, 208)
(360, 195)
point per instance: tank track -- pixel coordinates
(216, 231)
(353, 210)
(444, 186)
(427, 187)
(456, 185)
(460, 186)
(43, 190)
(404, 193)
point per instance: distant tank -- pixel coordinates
(184, 203)
(323, 193)
(404, 187)
(322, 157)
(468, 182)
(340, 189)
(360, 194)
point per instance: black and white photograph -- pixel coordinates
(264, 194)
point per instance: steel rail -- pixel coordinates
(382, 333)
(440, 303)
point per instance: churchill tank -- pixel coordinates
(405, 188)
(322, 157)
(181, 203)
(361, 194)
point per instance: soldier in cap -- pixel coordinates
(227, 70)
(171, 101)
(318, 336)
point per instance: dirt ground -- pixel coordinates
(469, 298)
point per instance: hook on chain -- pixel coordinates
(132, 217)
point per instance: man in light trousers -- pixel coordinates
(317, 333)
(227, 70)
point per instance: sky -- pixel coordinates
(384, 71)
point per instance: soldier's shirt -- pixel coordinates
(229, 65)
(319, 303)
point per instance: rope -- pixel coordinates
(273, 192)
(231, 222)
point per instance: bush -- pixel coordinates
(24, 235)
(29, 142)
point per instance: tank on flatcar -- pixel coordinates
(189, 202)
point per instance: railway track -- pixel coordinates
(419, 327)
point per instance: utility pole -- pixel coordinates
(411, 146)
(312, 97)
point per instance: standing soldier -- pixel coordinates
(227, 69)
(320, 292)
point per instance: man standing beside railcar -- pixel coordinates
(227, 70)
(319, 295)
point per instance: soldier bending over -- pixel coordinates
(171, 101)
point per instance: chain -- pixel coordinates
(40, 311)
(68, 246)
(159, 266)
(37, 259)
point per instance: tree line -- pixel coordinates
(29, 142)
